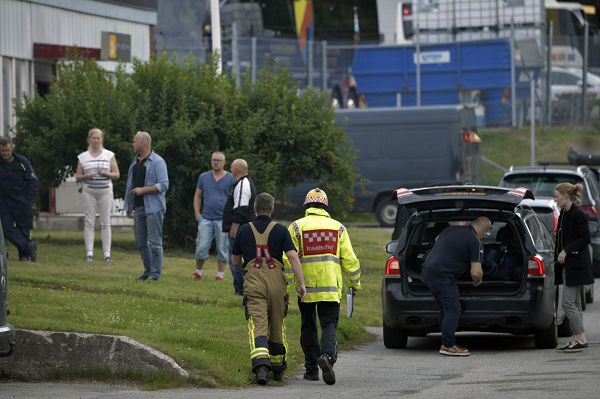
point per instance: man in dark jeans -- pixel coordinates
(456, 249)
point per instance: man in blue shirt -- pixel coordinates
(456, 249)
(145, 201)
(18, 186)
(211, 195)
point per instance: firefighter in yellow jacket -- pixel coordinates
(324, 248)
(262, 243)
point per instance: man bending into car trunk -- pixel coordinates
(456, 249)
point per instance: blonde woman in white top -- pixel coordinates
(96, 168)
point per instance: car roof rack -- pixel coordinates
(546, 164)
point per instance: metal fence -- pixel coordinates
(494, 78)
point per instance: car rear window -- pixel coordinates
(547, 216)
(542, 185)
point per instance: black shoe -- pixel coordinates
(108, 259)
(33, 251)
(325, 365)
(576, 347)
(565, 346)
(312, 374)
(262, 375)
(23, 258)
(152, 279)
(278, 375)
(142, 278)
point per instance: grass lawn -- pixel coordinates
(200, 324)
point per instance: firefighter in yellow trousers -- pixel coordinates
(324, 248)
(262, 244)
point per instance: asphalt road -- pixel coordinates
(500, 366)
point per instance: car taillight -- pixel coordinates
(392, 267)
(590, 211)
(555, 222)
(535, 267)
(471, 137)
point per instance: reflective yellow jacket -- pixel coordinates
(324, 248)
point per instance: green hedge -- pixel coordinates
(190, 112)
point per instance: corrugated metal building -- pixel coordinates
(34, 34)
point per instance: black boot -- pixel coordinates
(262, 375)
(312, 374)
(325, 365)
(278, 375)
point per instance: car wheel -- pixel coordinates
(547, 338)
(582, 298)
(589, 296)
(394, 338)
(386, 212)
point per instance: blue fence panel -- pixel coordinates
(383, 73)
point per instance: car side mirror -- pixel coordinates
(593, 227)
(390, 247)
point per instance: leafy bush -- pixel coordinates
(190, 112)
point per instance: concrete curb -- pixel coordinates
(39, 352)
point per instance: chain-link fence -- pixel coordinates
(494, 76)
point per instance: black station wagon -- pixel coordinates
(518, 294)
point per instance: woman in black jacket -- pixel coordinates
(572, 259)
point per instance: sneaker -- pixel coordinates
(142, 278)
(219, 278)
(33, 251)
(312, 374)
(278, 375)
(152, 280)
(195, 276)
(108, 259)
(454, 351)
(565, 346)
(325, 365)
(576, 347)
(90, 258)
(262, 375)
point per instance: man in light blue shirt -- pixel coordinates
(145, 201)
(211, 195)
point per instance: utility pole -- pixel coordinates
(215, 27)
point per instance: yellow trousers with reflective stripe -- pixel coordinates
(266, 301)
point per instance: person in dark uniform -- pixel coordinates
(18, 186)
(262, 243)
(456, 249)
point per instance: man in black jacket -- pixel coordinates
(18, 186)
(238, 211)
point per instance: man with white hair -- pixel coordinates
(239, 210)
(145, 201)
